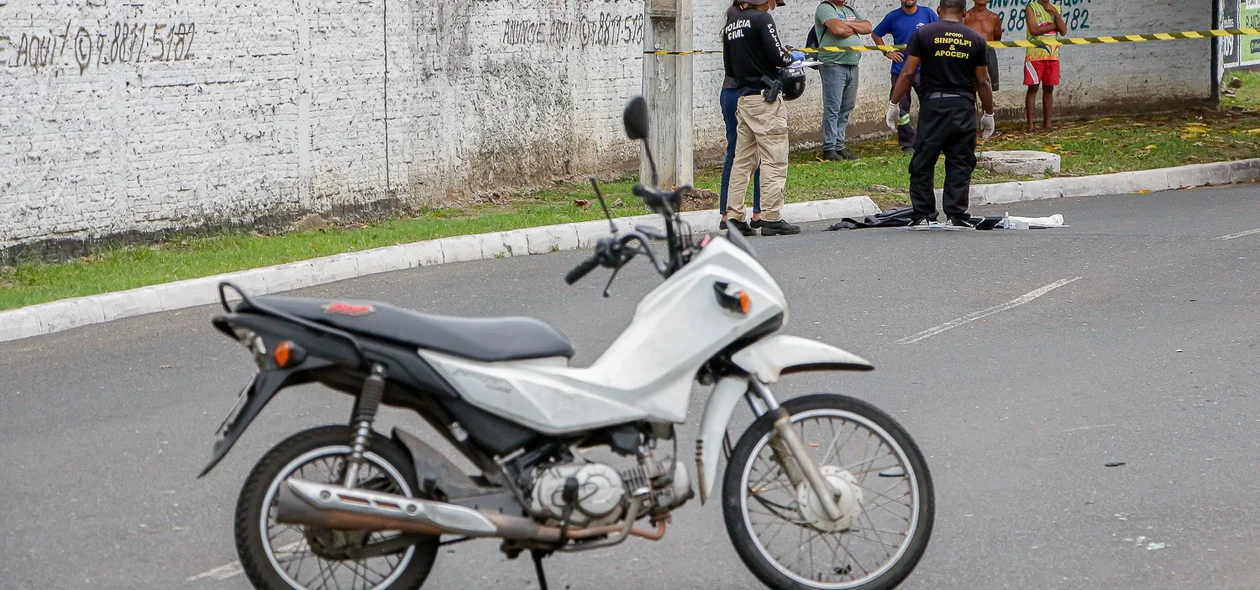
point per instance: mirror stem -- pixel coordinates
(651, 163)
(595, 185)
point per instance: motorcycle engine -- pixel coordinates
(600, 494)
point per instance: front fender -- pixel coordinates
(768, 359)
(717, 414)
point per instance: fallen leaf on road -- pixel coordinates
(165, 367)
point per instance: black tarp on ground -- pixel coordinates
(900, 217)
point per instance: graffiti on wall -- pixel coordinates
(1011, 13)
(606, 29)
(94, 45)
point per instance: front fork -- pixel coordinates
(790, 450)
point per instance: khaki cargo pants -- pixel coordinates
(762, 140)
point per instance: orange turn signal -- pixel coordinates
(282, 353)
(732, 298)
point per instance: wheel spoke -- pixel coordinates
(852, 557)
(831, 447)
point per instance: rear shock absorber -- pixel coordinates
(364, 414)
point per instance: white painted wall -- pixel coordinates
(122, 116)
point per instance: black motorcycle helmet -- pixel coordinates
(793, 83)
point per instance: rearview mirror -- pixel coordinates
(635, 119)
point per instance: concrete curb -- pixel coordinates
(1160, 179)
(57, 316)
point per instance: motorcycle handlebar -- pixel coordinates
(581, 270)
(612, 252)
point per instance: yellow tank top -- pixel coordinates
(1043, 16)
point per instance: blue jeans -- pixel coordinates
(840, 88)
(730, 100)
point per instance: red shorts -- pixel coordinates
(1041, 72)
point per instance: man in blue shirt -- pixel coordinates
(901, 24)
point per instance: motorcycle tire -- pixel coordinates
(259, 560)
(734, 500)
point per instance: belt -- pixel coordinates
(946, 95)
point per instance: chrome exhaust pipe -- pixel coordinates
(338, 507)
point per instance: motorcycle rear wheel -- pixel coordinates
(788, 546)
(295, 557)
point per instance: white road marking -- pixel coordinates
(984, 313)
(1241, 234)
(233, 569)
(1079, 429)
(222, 572)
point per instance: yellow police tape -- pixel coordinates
(1022, 43)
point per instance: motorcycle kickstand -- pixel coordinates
(538, 555)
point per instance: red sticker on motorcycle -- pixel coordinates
(351, 309)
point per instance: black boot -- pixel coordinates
(833, 156)
(779, 228)
(741, 227)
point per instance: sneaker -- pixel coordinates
(848, 155)
(722, 225)
(833, 156)
(756, 223)
(779, 228)
(741, 227)
(923, 220)
(960, 222)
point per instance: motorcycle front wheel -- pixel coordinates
(279, 556)
(883, 486)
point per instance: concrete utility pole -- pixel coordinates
(667, 88)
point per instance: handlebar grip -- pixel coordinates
(581, 270)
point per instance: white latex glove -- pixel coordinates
(987, 125)
(894, 113)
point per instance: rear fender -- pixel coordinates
(265, 386)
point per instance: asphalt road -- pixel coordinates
(1149, 358)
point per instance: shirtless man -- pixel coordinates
(986, 22)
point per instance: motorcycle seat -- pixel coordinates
(479, 339)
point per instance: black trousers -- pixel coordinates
(945, 125)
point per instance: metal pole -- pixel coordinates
(1216, 54)
(667, 88)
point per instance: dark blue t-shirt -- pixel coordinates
(902, 26)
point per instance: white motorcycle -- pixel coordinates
(821, 492)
